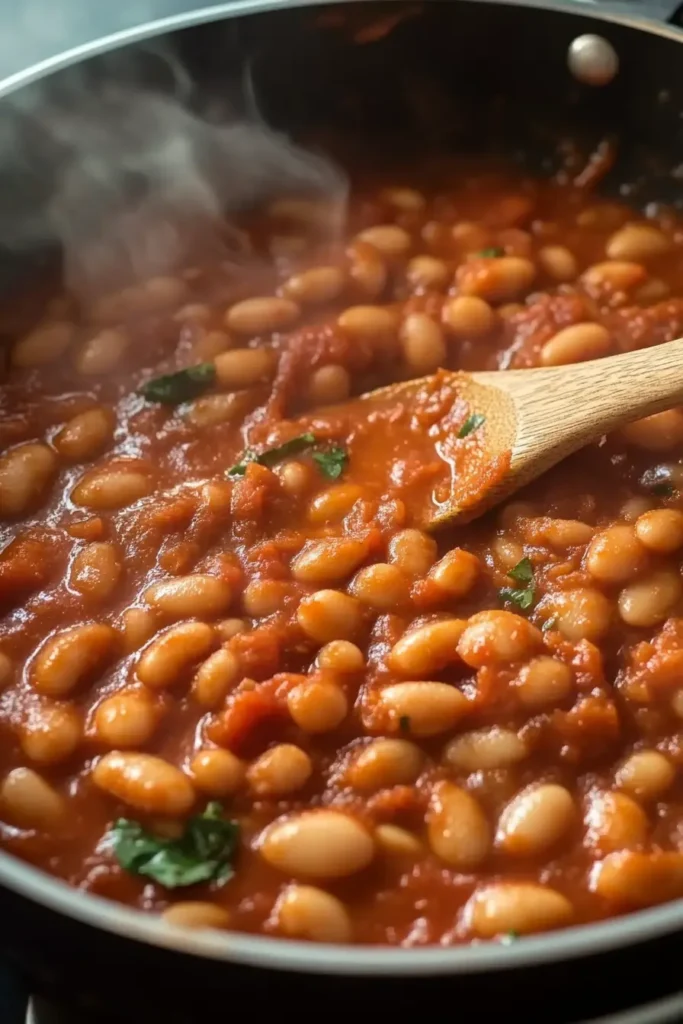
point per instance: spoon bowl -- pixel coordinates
(532, 419)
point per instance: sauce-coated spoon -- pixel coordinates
(536, 418)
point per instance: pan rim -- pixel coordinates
(363, 961)
(242, 8)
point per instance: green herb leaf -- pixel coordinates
(549, 624)
(332, 462)
(471, 424)
(509, 937)
(273, 455)
(203, 853)
(493, 252)
(663, 489)
(523, 572)
(523, 597)
(404, 723)
(174, 388)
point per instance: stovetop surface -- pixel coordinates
(16, 1007)
(665, 1011)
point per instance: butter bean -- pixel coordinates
(457, 829)
(144, 782)
(172, 653)
(520, 908)
(318, 844)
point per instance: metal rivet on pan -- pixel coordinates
(593, 60)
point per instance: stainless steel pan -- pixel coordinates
(501, 71)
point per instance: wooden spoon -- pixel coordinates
(536, 418)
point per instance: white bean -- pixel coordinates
(535, 820)
(304, 912)
(318, 844)
(485, 749)
(519, 908)
(457, 828)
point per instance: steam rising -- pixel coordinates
(128, 178)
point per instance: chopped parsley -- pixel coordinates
(663, 489)
(523, 572)
(509, 937)
(524, 596)
(203, 853)
(549, 624)
(332, 462)
(493, 252)
(404, 723)
(174, 388)
(273, 455)
(471, 424)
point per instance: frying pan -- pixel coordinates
(459, 75)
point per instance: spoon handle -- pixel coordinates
(586, 400)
